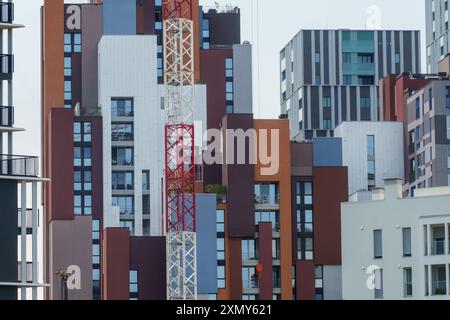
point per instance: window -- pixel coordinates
(406, 242)
(268, 216)
(220, 249)
(448, 127)
(82, 132)
(309, 248)
(220, 223)
(82, 204)
(133, 285)
(318, 80)
(266, 194)
(326, 102)
(317, 57)
(276, 249)
(276, 273)
(365, 57)
(326, 124)
(430, 98)
(347, 80)
(397, 57)
(72, 42)
(125, 203)
(122, 132)
(129, 224)
(371, 146)
(379, 284)
(318, 275)
(220, 277)
(448, 157)
(67, 90)
(365, 80)
(122, 181)
(377, 244)
(249, 278)
(122, 156)
(407, 282)
(365, 102)
(122, 107)
(347, 57)
(417, 108)
(82, 156)
(146, 180)
(248, 250)
(67, 66)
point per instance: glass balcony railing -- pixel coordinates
(6, 12)
(6, 63)
(23, 166)
(438, 247)
(439, 287)
(6, 116)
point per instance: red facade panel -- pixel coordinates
(116, 264)
(305, 280)
(235, 265)
(330, 187)
(61, 169)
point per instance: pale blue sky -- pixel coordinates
(279, 21)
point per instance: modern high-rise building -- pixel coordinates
(331, 76)
(20, 268)
(437, 32)
(396, 247)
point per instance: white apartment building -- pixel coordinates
(372, 151)
(394, 247)
(133, 132)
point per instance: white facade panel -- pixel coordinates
(388, 151)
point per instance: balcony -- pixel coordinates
(19, 166)
(6, 116)
(6, 66)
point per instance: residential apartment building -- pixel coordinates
(396, 248)
(437, 32)
(372, 151)
(20, 269)
(331, 76)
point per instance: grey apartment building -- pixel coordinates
(330, 76)
(429, 134)
(437, 35)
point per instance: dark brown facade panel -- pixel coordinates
(305, 280)
(76, 79)
(61, 159)
(116, 264)
(330, 187)
(225, 28)
(239, 180)
(148, 257)
(235, 268)
(265, 259)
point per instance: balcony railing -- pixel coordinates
(6, 63)
(439, 287)
(6, 12)
(6, 116)
(438, 247)
(24, 166)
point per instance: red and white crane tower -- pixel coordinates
(178, 33)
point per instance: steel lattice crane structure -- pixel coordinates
(178, 33)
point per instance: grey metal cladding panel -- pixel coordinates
(8, 238)
(440, 123)
(206, 243)
(407, 51)
(119, 17)
(326, 57)
(388, 51)
(365, 91)
(428, 24)
(417, 50)
(353, 104)
(92, 24)
(337, 48)
(380, 54)
(242, 68)
(397, 50)
(315, 108)
(307, 57)
(326, 91)
(344, 103)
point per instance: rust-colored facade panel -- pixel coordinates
(61, 169)
(116, 264)
(330, 187)
(283, 177)
(265, 259)
(305, 280)
(239, 180)
(148, 257)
